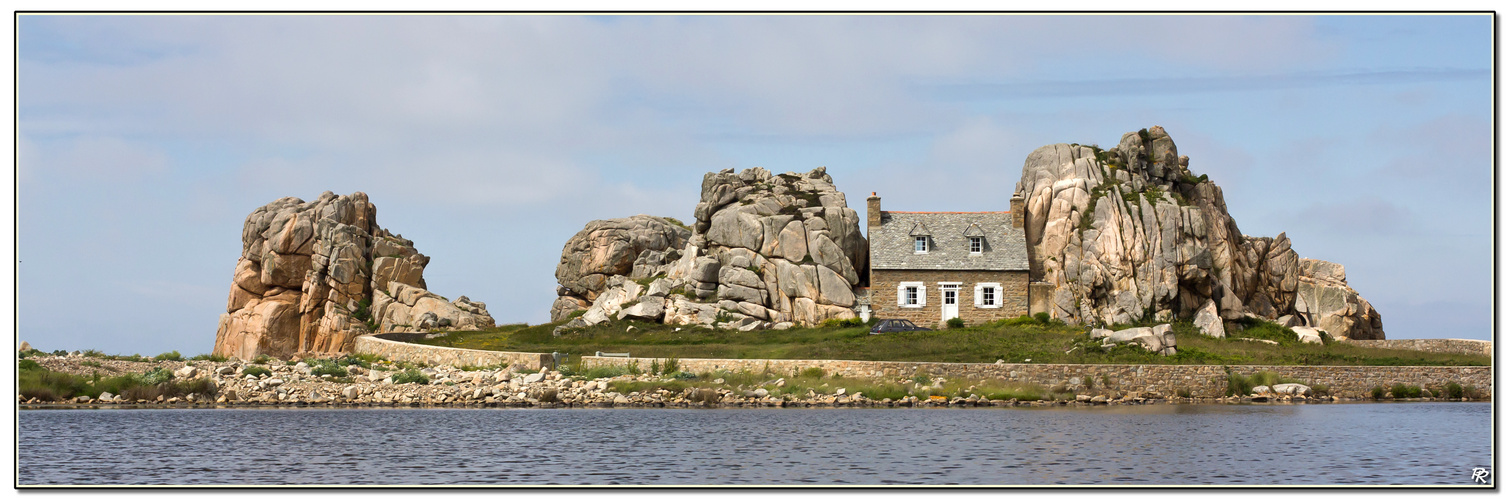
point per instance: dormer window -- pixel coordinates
(976, 244)
(920, 244)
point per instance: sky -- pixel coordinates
(144, 141)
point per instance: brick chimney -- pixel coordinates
(872, 213)
(1017, 211)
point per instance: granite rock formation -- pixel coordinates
(765, 251)
(306, 277)
(1130, 233)
(637, 247)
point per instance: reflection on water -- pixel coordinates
(1408, 443)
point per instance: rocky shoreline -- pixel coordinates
(295, 385)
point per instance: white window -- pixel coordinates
(912, 294)
(988, 295)
(976, 244)
(920, 244)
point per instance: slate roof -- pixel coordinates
(891, 242)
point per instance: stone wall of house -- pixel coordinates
(883, 295)
(1450, 346)
(1135, 380)
(396, 347)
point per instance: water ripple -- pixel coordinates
(1417, 443)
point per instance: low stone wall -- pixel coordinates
(396, 346)
(1450, 346)
(1163, 380)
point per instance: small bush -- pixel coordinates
(955, 323)
(410, 376)
(1452, 390)
(210, 357)
(672, 366)
(1405, 391)
(156, 376)
(169, 356)
(330, 367)
(1042, 317)
(256, 371)
(813, 372)
(605, 372)
(1321, 390)
(261, 359)
(842, 323)
(1182, 392)
(1377, 392)
(27, 364)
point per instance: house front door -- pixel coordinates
(951, 302)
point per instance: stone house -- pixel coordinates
(928, 267)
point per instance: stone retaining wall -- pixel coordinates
(1450, 346)
(396, 346)
(1137, 380)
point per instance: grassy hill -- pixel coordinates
(1021, 340)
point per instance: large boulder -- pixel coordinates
(763, 249)
(640, 246)
(1129, 233)
(1325, 302)
(306, 277)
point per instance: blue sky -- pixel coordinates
(144, 141)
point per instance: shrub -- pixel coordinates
(156, 376)
(813, 372)
(1405, 391)
(1377, 392)
(1042, 317)
(1182, 392)
(672, 366)
(921, 379)
(605, 372)
(210, 357)
(633, 368)
(955, 323)
(410, 376)
(1452, 390)
(1321, 390)
(256, 371)
(842, 323)
(169, 356)
(27, 364)
(330, 367)
(261, 359)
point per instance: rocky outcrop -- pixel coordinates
(1129, 233)
(306, 277)
(765, 251)
(1325, 302)
(636, 247)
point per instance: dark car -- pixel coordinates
(896, 325)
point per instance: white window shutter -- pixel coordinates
(901, 295)
(922, 295)
(978, 297)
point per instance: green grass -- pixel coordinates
(815, 381)
(1013, 340)
(256, 371)
(36, 382)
